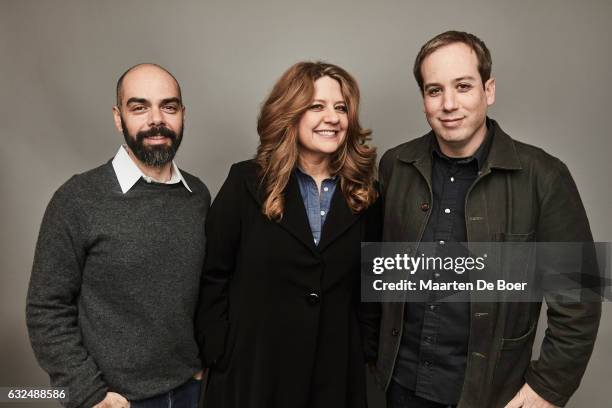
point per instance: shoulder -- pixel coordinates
(69, 200)
(86, 184)
(538, 162)
(241, 175)
(241, 172)
(244, 169)
(530, 155)
(540, 169)
(410, 150)
(409, 147)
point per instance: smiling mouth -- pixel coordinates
(156, 139)
(453, 122)
(326, 132)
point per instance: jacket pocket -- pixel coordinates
(513, 260)
(512, 361)
(518, 342)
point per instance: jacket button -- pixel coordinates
(425, 207)
(313, 298)
(394, 332)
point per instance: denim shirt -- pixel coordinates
(316, 205)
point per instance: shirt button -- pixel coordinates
(432, 307)
(447, 210)
(325, 188)
(313, 298)
(425, 207)
(427, 364)
(394, 332)
(452, 179)
(322, 212)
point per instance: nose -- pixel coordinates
(155, 117)
(331, 116)
(450, 101)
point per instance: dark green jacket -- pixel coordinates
(521, 194)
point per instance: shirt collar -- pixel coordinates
(128, 173)
(301, 173)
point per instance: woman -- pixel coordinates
(280, 321)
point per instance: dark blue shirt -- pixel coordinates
(317, 205)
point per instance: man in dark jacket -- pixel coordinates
(468, 181)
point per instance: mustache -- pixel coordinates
(156, 131)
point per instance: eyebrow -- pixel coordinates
(324, 101)
(463, 78)
(146, 102)
(171, 100)
(137, 100)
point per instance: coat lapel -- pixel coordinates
(339, 219)
(294, 218)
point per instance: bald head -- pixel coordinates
(142, 72)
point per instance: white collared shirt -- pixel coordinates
(128, 173)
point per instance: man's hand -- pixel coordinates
(527, 398)
(199, 375)
(113, 400)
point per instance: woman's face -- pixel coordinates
(322, 128)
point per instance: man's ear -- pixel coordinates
(489, 88)
(117, 118)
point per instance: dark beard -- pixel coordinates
(153, 156)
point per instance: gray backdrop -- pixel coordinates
(60, 61)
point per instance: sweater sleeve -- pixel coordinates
(51, 306)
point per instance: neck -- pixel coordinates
(316, 167)
(162, 173)
(464, 149)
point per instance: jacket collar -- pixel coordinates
(502, 154)
(295, 219)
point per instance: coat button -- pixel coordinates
(394, 332)
(425, 207)
(313, 298)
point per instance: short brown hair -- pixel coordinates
(450, 37)
(277, 155)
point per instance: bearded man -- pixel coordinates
(116, 272)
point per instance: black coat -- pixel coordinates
(280, 322)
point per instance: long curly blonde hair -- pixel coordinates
(278, 152)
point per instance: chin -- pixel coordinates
(452, 135)
(329, 148)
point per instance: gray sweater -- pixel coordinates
(114, 286)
